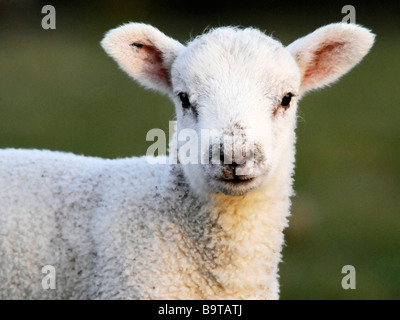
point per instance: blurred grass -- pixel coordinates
(59, 91)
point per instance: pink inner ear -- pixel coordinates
(153, 66)
(324, 62)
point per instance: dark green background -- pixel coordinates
(59, 91)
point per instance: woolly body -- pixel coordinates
(109, 237)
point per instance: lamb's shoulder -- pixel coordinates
(135, 229)
(137, 197)
(133, 186)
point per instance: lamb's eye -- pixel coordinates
(286, 100)
(184, 99)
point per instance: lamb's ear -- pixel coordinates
(144, 52)
(329, 52)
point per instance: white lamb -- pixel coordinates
(128, 229)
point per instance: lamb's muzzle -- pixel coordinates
(236, 167)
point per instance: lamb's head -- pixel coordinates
(236, 93)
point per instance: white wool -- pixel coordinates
(128, 229)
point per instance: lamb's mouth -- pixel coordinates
(237, 185)
(238, 180)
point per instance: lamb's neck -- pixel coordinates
(242, 237)
(253, 228)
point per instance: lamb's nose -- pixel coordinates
(234, 160)
(228, 158)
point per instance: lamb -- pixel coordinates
(136, 229)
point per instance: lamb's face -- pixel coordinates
(240, 87)
(237, 90)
